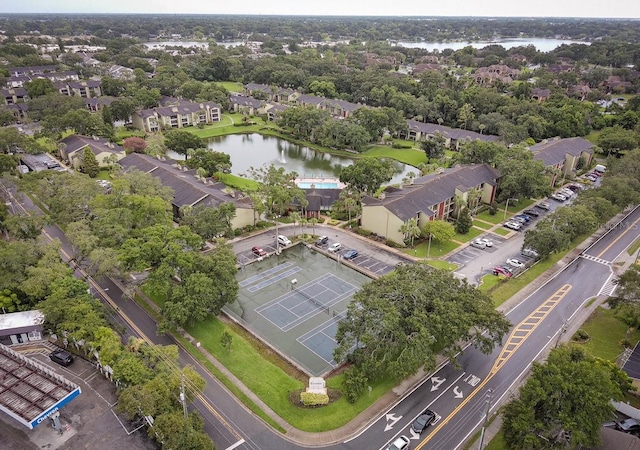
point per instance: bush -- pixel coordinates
(249, 228)
(581, 335)
(393, 244)
(237, 232)
(312, 399)
(262, 224)
(493, 209)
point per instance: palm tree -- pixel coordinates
(296, 219)
(313, 221)
(474, 195)
(459, 203)
(411, 229)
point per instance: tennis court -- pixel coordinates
(294, 302)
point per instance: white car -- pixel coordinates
(515, 263)
(334, 247)
(567, 192)
(283, 240)
(487, 242)
(559, 197)
(513, 225)
(401, 443)
(479, 243)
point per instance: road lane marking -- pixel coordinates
(517, 337)
(599, 255)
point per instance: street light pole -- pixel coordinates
(486, 417)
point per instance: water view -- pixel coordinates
(247, 150)
(542, 44)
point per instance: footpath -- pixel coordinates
(386, 402)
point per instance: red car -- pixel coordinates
(499, 270)
(258, 251)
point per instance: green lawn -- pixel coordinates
(495, 219)
(633, 248)
(272, 383)
(409, 156)
(490, 281)
(440, 264)
(472, 234)
(237, 182)
(437, 249)
(479, 224)
(501, 231)
(606, 334)
(231, 86)
(497, 443)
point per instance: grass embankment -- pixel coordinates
(231, 86)
(410, 156)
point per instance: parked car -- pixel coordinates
(575, 187)
(629, 426)
(322, 240)
(531, 253)
(61, 357)
(513, 225)
(520, 220)
(499, 270)
(479, 243)
(487, 242)
(350, 254)
(334, 247)
(423, 421)
(283, 240)
(515, 263)
(544, 205)
(531, 212)
(591, 178)
(401, 443)
(566, 192)
(258, 251)
(523, 216)
(559, 197)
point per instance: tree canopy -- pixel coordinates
(366, 175)
(396, 324)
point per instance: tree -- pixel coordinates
(522, 176)
(39, 87)
(564, 402)
(209, 222)
(134, 144)
(366, 175)
(439, 230)
(122, 108)
(211, 161)
(182, 141)
(465, 115)
(90, 163)
(396, 324)
(464, 222)
(226, 340)
(411, 229)
(434, 147)
(617, 139)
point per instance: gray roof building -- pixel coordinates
(554, 151)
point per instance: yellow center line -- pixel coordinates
(599, 255)
(508, 349)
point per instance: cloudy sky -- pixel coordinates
(508, 8)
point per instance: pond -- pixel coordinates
(542, 44)
(256, 150)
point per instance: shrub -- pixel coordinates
(249, 228)
(262, 224)
(581, 335)
(237, 232)
(493, 209)
(312, 399)
(393, 244)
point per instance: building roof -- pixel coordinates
(96, 144)
(257, 87)
(84, 84)
(30, 392)
(243, 100)
(430, 190)
(453, 133)
(188, 190)
(39, 162)
(20, 319)
(319, 199)
(184, 107)
(554, 151)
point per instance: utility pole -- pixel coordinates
(489, 401)
(183, 397)
(563, 330)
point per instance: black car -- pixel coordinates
(423, 421)
(61, 357)
(531, 212)
(322, 240)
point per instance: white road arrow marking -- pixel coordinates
(391, 417)
(457, 393)
(436, 383)
(414, 435)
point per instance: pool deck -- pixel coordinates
(320, 183)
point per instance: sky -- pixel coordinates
(490, 8)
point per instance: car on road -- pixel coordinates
(283, 240)
(350, 254)
(487, 242)
(61, 357)
(479, 243)
(334, 247)
(423, 421)
(531, 212)
(401, 443)
(322, 240)
(559, 197)
(629, 425)
(258, 251)
(500, 270)
(515, 263)
(544, 205)
(513, 225)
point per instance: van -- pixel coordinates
(61, 357)
(600, 168)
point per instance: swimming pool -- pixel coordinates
(318, 185)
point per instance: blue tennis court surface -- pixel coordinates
(322, 339)
(302, 303)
